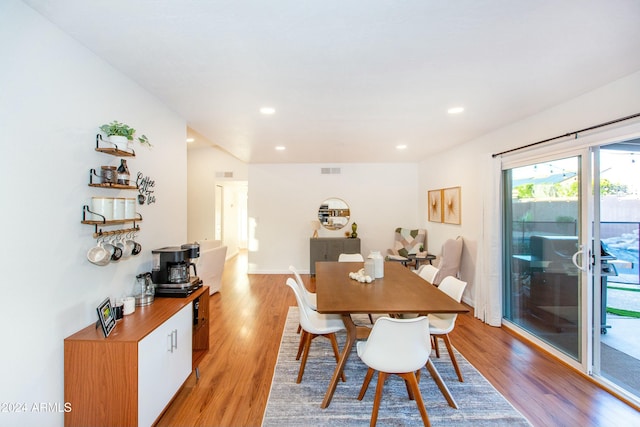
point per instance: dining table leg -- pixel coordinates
(348, 345)
(441, 385)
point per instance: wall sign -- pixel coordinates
(145, 188)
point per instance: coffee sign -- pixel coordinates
(145, 188)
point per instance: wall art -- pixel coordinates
(434, 198)
(451, 209)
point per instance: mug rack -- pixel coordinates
(106, 222)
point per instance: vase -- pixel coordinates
(378, 263)
(120, 142)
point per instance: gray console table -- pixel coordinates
(329, 248)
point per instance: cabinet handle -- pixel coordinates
(170, 342)
(175, 340)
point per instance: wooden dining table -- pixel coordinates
(399, 291)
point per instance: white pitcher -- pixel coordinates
(378, 262)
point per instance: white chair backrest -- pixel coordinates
(454, 288)
(398, 345)
(312, 321)
(350, 258)
(428, 272)
(309, 297)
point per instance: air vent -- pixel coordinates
(227, 174)
(330, 171)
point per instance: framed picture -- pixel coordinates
(435, 205)
(106, 317)
(451, 209)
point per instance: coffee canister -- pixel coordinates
(129, 208)
(108, 174)
(118, 208)
(103, 207)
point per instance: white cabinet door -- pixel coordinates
(164, 363)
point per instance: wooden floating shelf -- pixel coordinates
(111, 222)
(110, 185)
(116, 152)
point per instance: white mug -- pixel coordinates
(129, 305)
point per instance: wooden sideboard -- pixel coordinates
(129, 378)
(329, 248)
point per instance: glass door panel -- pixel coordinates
(616, 344)
(542, 236)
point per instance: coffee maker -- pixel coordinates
(171, 270)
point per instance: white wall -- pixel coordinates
(465, 165)
(54, 94)
(284, 199)
(203, 163)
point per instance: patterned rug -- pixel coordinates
(292, 404)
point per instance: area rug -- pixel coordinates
(291, 404)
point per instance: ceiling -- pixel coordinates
(352, 79)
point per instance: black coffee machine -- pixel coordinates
(171, 270)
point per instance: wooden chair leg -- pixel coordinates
(412, 382)
(336, 353)
(435, 345)
(382, 376)
(409, 390)
(371, 319)
(447, 342)
(299, 329)
(301, 345)
(305, 354)
(365, 383)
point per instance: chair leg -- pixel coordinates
(301, 345)
(434, 338)
(412, 382)
(371, 319)
(336, 353)
(382, 376)
(447, 342)
(299, 329)
(305, 354)
(365, 383)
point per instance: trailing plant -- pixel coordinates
(122, 129)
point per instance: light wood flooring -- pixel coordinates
(247, 318)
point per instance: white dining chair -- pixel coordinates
(396, 346)
(442, 323)
(309, 298)
(350, 258)
(314, 325)
(428, 272)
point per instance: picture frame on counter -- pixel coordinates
(106, 317)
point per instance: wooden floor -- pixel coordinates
(247, 319)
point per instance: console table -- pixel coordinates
(128, 378)
(329, 248)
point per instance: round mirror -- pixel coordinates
(333, 214)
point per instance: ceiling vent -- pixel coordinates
(228, 174)
(330, 171)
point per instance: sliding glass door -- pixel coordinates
(543, 241)
(571, 225)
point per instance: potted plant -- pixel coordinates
(121, 134)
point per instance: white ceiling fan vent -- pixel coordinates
(330, 171)
(226, 174)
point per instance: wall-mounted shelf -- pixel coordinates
(107, 222)
(93, 173)
(114, 151)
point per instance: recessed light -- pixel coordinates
(281, 148)
(190, 139)
(267, 110)
(401, 147)
(455, 110)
